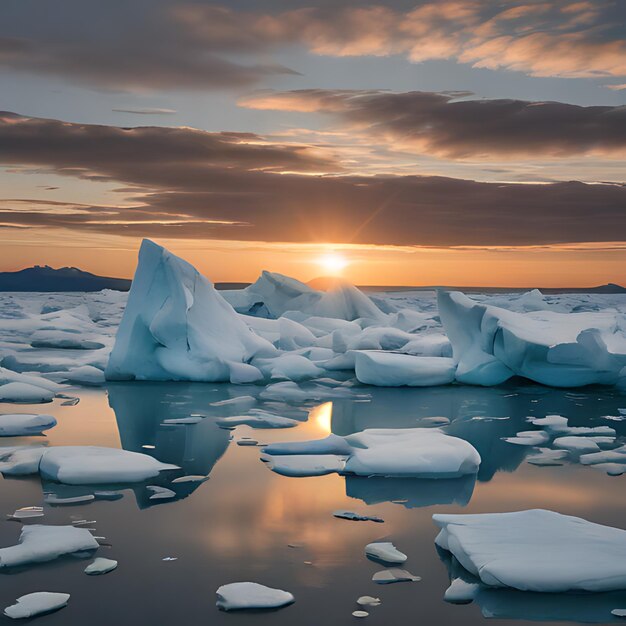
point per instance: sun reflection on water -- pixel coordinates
(322, 417)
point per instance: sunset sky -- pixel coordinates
(456, 142)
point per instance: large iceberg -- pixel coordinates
(273, 295)
(176, 326)
(491, 344)
(392, 452)
(536, 550)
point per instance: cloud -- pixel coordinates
(163, 45)
(147, 111)
(193, 184)
(436, 124)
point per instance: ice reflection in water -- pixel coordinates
(237, 525)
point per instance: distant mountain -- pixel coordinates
(608, 288)
(46, 278)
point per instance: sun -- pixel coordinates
(333, 263)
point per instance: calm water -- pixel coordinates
(238, 525)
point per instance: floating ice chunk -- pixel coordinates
(39, 543)
(304, 465)
(100, 566)
(182, 420)
(20, 460)
(390, 369)
(360, 614)
(368, 601)
(618, 455)
(27, 512)
(288, 391)
(85, 375)
(547, 457)
(529, 438)
(258, 419)
(408, 452)
(350, 515)
(240, 402)
(246, 595)
(37, 603)
(582, 444)
(556, 349)
(108, 495)
(53, 499)
(552, 423)
(461, 592)
(612, 469)
(176, 326)
(160, 493)
(385, 551)
(25, 393)
(509, 550)
(25, 424)
(394, 575)
(191, 478)
(289, 367)
(247, 442)
(619, 612)
(84, 465)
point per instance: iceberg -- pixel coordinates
(491, 344)
(37, 603)
(391, 369)
(247, 595)
(39, 543)
(176, 326)
(403, 452)
(536, 550)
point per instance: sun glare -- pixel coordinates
(333, 263)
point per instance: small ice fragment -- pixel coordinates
(182, 420)
(547, 457)
(52, 498)
(160, 493)
(394, 575)
(108, 495)
(435, 421)
(24, 393)
(360, 614)
(356, 517)
(239, 402)
(461, 592)
(25, 424)
(71, 402)
(170, 558)
(191, 478)
(34, 604)
(619, 612)
(148, 446)
(529, 438)
(385, 551)
(100, 566)
(83, 522)
(368, 601)
(27, 512)
(247, 595)
(582, 444)
(247, 442)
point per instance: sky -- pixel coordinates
(431, 142)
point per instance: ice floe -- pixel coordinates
(37, 603)
(385, 551)
(509, 550)
(394, 575)
(356, 517)
(408, 452)
(248, 595)
(25, 424)
(100, 566)
(39, 543)
(258, 418)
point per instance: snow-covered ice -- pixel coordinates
(536, 550)
(37, 603)
(39, 543)
(247, 595)
(100, 566)
(385, 551)
(394, 575)
(25, 424)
